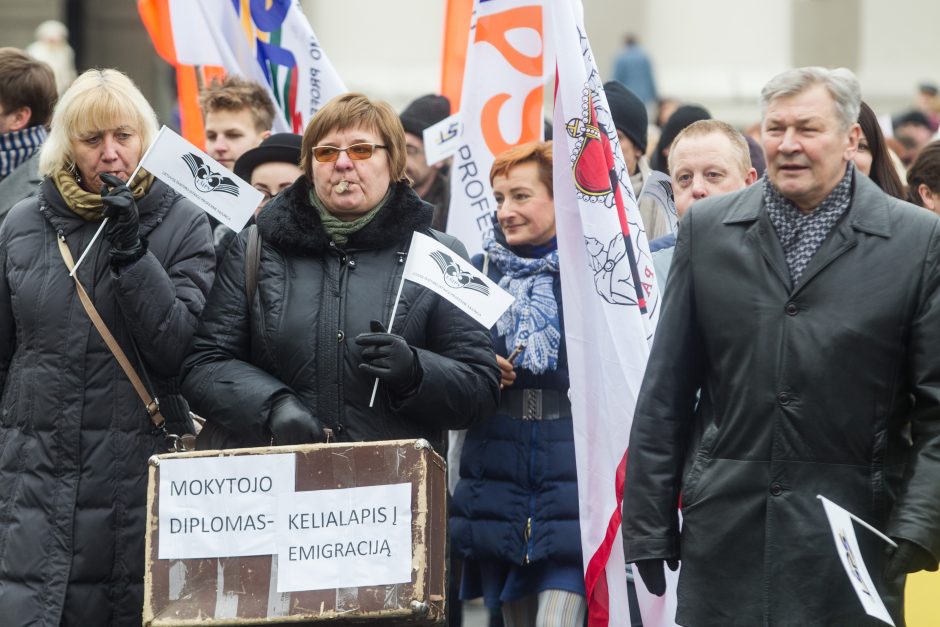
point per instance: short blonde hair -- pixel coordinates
(357, 110)
(707, 127)
(97, 100)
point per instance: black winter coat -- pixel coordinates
(298, 335)
(74, 436)
(805, 391)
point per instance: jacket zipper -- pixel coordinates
(527, 534)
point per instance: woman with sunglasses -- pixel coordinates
(304, 354)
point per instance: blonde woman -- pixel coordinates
(74, 435)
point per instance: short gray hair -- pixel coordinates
(842, 84)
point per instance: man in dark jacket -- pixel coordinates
(429, 180)
(27, 95)
(804, 311)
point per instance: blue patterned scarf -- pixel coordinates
(532, 319)
(18, 146)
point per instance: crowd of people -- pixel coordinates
(800, 265)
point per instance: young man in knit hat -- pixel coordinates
(27, 95)
(430, 182)
(652, 189)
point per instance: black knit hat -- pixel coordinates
(682, 117)
(628, 112)
(426, 111)
(281, 148)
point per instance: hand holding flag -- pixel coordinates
(441, 270)
(194, 174)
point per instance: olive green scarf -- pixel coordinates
(340, 230)
(86, 204)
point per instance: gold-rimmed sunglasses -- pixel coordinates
(356, 152)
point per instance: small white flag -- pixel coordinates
(194, 174)
(443, 271)
(442, 139)
(843, 533)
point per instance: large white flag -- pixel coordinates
(501, 107)
(611, 305)
(270, 42)
(443, 271)
(194, 174)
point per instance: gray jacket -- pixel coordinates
(21, 183)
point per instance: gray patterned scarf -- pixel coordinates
(801, 234)
(18, 146)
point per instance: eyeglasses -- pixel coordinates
(356, 152)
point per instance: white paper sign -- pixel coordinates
(443, 139)
(222, 506)
(843, 533)
(440, 269)
(344, 538)
(194, 174)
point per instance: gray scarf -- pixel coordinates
(340, 230)
(801, 234)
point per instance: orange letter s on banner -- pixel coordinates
(492, 29)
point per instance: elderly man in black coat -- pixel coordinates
(796, 355)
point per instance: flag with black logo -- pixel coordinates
(194, 174)
(443, 271)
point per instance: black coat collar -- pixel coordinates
(291, 224)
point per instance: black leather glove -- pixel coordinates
(388, 357)
(653, 576)
(123, 228)
(292, 423)
(909, 557)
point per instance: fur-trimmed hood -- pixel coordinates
(291, 224)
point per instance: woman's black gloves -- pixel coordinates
(292, 423)
(123, 228)
(388, 357)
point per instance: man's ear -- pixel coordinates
(930, 200)
(21, 118)
(751, 176)
(855, 136)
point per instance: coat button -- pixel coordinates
(792, 309)
(776, 489)
(340, 336)
(783, 398)
(352, 263)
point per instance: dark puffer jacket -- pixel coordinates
(298, 335)
(74, 436)
(514, 472)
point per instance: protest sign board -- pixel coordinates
(358, 535)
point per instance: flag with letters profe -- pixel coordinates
(441, 270)
(194, 174)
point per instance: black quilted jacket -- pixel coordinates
(298, 335)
